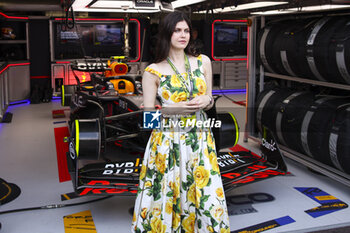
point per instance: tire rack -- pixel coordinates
(250, 132)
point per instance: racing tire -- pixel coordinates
(339, 138)
(86, 134)
(67, 94)
(228, 134)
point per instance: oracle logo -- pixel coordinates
(269, 145)
(72, 153)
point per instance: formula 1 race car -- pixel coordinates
(107, 138)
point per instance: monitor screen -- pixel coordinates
(69, 35)
(76, 35)
(93, 39)
(230, 39)
(108, 34)
(244, 33)
(226, 35)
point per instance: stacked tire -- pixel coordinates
(313, 48)
(316, 126)
(282, 111)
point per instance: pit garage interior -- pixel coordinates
(280, 64)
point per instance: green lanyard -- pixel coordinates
(188, 86)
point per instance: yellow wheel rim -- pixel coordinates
(62, 95)
(236, 126)
(77, 137)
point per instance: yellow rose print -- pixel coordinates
(223, 230)
(176, 220)
(210, 229)
(157, 226)
(206, 153)
(215, 167)
(152, 158)
(160, 162)
(201, 86)
(144, 213)
(175, 81)
(178, 97)
(176, 190)
(214, 162)
(143, 172)
(220, 193)
(198, 197)
(169, 206)
(201, 176)
(210, 140)
(174, 97)
(191, 193)
(157, 210)
(148, 184)
(134, 217)
(182, 96)
(157, 138)
(154, 147)
(189, 223)
(217, 212)
(166, 95)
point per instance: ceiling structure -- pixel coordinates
(239, 7)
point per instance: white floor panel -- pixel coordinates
(28, 159)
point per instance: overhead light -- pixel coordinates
(274, 12)
(112, 4)
(131, 6)
(246, 6)
(322, 7)
(181, 3)
(302, 9)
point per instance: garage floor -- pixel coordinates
(28, 159)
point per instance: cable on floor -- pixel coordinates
(53, 206)
(224, 95)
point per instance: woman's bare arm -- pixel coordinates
(203, 101)
(150, 84)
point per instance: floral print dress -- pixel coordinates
(180, 188)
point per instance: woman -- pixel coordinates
(180, 187)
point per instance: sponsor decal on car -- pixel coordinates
(120, 188)
(124, 167)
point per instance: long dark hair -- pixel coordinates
(166, 29)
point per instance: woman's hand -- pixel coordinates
(201, 101)
(181, 108)
(198, 103)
